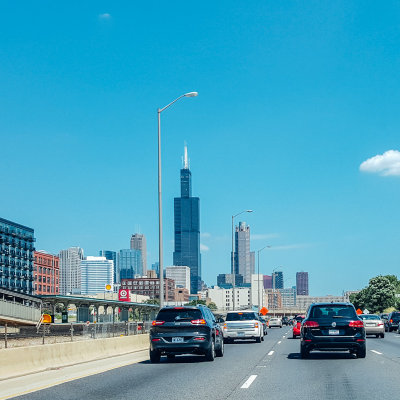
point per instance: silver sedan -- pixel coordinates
(373, 325)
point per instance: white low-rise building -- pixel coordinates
(179, 274)
(223, 298)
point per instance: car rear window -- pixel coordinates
(179, 314)
(240, 316)
(333, 311)
(369, 317)
(396, 315)
(299, 318)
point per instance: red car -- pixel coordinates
(297, 325)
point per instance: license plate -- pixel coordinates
(177, 339)
(240, 333)
(333, 331)
(369, 324)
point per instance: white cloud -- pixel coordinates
(385, 164)
(105, 16)
(203, 247)
(205, 234)
(263, 236)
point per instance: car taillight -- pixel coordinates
(356, 324)
(256, 325)
(311, 324)
(155, 340)
(217, 332)
(198, 321)
(380, 324)
(157, 323)
(199, 338)
(391, 321)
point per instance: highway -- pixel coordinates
(272, 369)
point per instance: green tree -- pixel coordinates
(380, 294)
(212, 306)
(152, 301)
(196, 303)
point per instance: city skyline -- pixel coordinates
(296, 119)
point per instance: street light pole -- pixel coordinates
(233, 259)
(160, 236)
(260, 305)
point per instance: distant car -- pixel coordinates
(243, 325)
(297, 326)
(183, 330)
(275, 322)
(373, 325)
(332, 327)
(285, 320)
(393, 321)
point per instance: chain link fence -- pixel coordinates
(59, 333)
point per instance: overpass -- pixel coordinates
(19, 309)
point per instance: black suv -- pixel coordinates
(393, 321)
(185, 330)
(332, 327)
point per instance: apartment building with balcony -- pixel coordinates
(16, 257)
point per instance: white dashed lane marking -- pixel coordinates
(376, 352)
(271, 352)
(280, 342)
(249, 381)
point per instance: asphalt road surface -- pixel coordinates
(248, 370)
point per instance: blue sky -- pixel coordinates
(293, 98)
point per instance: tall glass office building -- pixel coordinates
(96, 273)
(112, 256)
(129, 264)
(187, 228)
(16, 257)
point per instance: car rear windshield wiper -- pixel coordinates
(178, 318)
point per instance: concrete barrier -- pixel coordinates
(26, 360)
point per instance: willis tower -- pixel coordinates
(187, 228)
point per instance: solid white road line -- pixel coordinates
(249, 381)
(271, 352)
(376, 352)
(280, 342)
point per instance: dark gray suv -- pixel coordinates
(186, 330)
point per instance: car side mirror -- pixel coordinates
(220, 320)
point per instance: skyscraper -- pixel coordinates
(277, 280)
(112, 256)
(96, 273)
(129, 264)
(138, 242)
(187, 228)
(70, 270)
(244, 259)
(302, 283)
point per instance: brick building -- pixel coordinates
(46, 272)
(150, 287)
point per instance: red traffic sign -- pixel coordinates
(359, 311)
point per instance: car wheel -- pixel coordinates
(171, 356)
(262, 338)
(220, 351)
(362, 352)
(294, 336)
(269, 327)
(210, 355)
(377, 335)
(155, 356)
(304, 353)
(382, 335)
(258, 339)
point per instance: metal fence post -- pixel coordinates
(72, 332)
(44, 332)
(5, 336)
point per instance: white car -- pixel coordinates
(275, 322)
(243, 325)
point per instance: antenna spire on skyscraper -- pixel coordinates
(186, 159)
